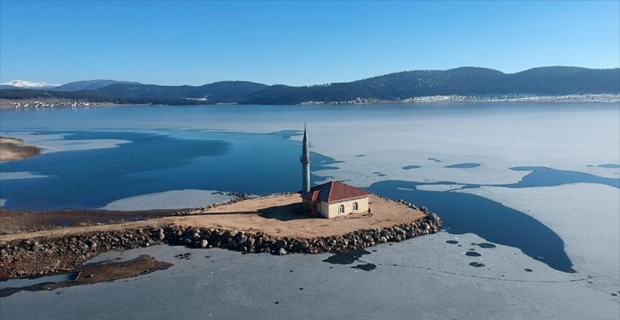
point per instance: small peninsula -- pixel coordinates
(331, 217)
(16, 149)
(273, 224)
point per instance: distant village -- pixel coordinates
(607, 98)
(75, 103)
(47, 103)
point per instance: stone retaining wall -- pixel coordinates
(72, 250)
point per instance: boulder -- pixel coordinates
(281, 244)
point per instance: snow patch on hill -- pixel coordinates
(28, 84)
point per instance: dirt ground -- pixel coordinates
(12, 221)
(278, 216)
(16, 149)
(110, 271)
(99, 272)
(282, 216)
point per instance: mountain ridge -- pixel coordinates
(398, 86)
(464, 81)
(89, 85)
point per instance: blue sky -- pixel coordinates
(296, 43)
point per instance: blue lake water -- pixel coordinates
(176, 148)
(545, 177)
(466, 213)
(260, 164)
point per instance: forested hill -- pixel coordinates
(137, 93)
(466, 81)
(218, 92)
(88, 85)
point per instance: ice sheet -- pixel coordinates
(573, 137)
(424, 278)
(439, 187)
(564, 142)
(62, 142)
(586, 216)
(556, 137)
(176, 199)
(19, 175)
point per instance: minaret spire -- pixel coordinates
(305, 163)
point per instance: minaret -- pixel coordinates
(305, 164)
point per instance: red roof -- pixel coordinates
(334, 191)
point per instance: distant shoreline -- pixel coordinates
(7, 104)
(592, 98)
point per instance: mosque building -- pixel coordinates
(332, 199)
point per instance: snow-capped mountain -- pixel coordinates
(28, 84)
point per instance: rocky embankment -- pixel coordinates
(36, 257)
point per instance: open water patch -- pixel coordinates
(467, 213)
(493, 221)
(547, 177)
(157, 162)
(365, 266)
(609, 166)
(346, 258)
(485, 245)
(467, 165)
(411, 167)
(95, 177)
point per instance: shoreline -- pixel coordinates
(516, 98)
(51, 103)
(62, 250)
(12, 149)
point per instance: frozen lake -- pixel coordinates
(538, 183)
